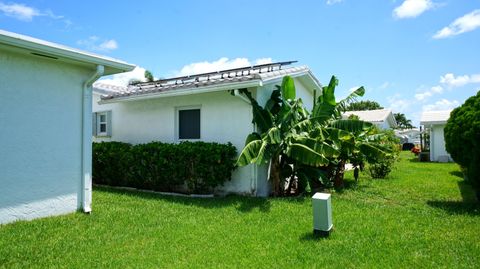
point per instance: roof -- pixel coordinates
(374, 116)
(435, 117)
(253, 76)
(105, 89)
(42, 48)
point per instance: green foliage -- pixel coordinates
(419, 219)
(148, 76)
(402, 121)
(381, 167)
(363, 105)
(305, 148)
(110, 162)
(163, 167)
(462, 137)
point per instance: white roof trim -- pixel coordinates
(186, 91)
(254, 80)
(53, 49)
(435, 117)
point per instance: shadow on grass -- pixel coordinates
(456, 173)
(457, 207)
(469, 204)
(310, 236)
(242, 204)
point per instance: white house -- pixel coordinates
(383, 118)
(409, 135)
(435, 121)
(45, 132)
(206, 107)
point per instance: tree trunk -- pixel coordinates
(275, 175)
(338, 182)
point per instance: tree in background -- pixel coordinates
(462, 139)
(363, 105)
(402, 121)
(148, 76)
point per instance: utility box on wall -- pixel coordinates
(322, 214)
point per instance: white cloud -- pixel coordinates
(27, 13)
(412, 8)
(19, 11)
(443, 104)
(453, 81)
(220, 64)
(95, 43)
(333, 2)
(109, 45)
(429, 93)
(398, 104)
(466, 23)
(123, 79)
(385, 85)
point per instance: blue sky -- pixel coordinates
(411, 55)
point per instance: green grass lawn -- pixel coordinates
(423, 215)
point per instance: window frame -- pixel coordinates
(98, 123)
(177, 122)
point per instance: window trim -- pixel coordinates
(98, 123)
(177, 122)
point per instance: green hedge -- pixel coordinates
(159, 166)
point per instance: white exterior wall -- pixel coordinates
(223, 118)
(437, 143)
(40, 136)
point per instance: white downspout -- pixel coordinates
(254, 183)
(87, 140)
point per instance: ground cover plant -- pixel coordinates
(422, 216)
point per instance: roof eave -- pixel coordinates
(183, 92)
(433, 122)
(111, 65)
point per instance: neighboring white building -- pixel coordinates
(435, 121)
(45, 133)
(409, 135)
(383, 118)
(205, 107)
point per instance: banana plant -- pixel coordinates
(279, 142)
(306, 146)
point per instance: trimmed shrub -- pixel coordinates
(160, 166)
(110, 163)
(462, 138)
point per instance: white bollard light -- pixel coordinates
(322, 214)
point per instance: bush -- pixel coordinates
(380, 168)
(159, 166)
(462, 138)
(110, 163)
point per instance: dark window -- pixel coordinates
(189, 124)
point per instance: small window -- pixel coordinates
(189, 124)
(102, 123)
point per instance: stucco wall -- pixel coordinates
(40, 136)
(224, 118)
(437, 143)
